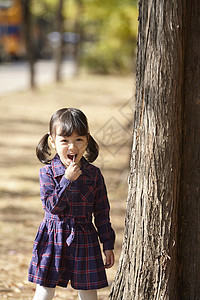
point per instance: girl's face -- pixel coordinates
(70, 148)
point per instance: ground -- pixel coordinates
(108, 104)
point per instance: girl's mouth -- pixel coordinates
(72, 157)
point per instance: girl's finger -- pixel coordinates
(76, 169)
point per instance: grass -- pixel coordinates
(24, 119)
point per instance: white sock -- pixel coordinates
(44, 293)
(87, 295)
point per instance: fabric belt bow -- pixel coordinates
(70, 238)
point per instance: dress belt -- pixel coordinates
(73, 223)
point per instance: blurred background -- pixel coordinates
(54, 54)
(99, 35)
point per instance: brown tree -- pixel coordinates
(160, 254)
(28, 37)
(60, 29)
(79, 29)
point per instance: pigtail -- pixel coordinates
(92, 150)
(43, 150)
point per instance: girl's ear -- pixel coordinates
(51, 142)
(52, 147)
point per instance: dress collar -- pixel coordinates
(59, 169)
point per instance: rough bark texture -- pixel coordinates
(148, 263)
(189, 204)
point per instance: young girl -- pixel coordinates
(72, 191)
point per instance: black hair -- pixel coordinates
(69, 120)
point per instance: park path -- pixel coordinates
(15, 76)
(108, 103)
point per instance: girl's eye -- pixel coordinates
(79, 140)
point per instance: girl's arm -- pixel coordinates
(53, 194)
(102, 215)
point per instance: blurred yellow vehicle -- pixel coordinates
(11, 37)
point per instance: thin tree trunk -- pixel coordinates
(78, 28)
(147, 268)
(59, 49)
(28, 36)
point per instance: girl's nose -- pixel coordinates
(71, 145)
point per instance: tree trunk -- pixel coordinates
(59, 49)
(28, 37)
(78, 28)
(148, 263)
(189, 205)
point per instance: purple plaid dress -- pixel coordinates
(66, 246)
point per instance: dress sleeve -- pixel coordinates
(102, 215)
(53, 194)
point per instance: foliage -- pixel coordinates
(108, 30)
(116, 39)
(44, 9)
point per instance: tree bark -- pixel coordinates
(148, 263)
(28, 36)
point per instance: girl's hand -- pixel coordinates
(72, 172)
(110, 258)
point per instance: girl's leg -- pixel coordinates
(44, 293)
(87, 295)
